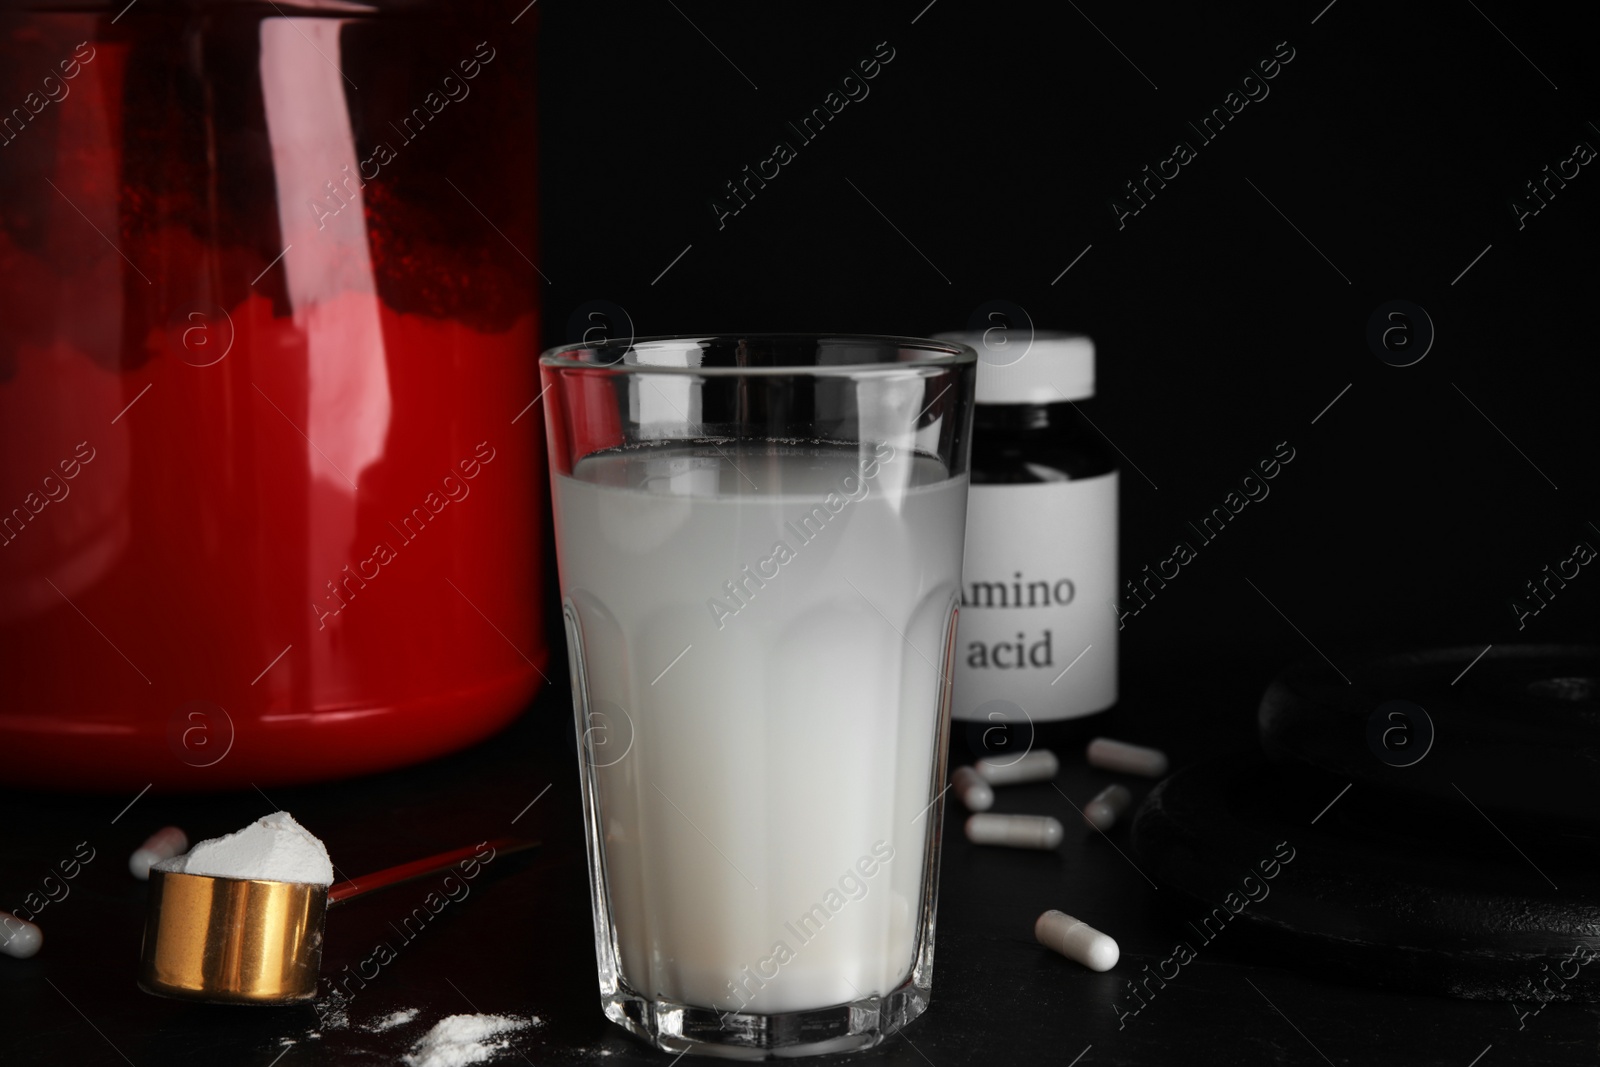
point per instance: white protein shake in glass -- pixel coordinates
(763, 629)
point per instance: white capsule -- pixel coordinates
(972, 789)
(1015, 831)
(1037, 766)
(1076, 940)
(1129, 759)
(165, 843)
(1101, 813)
(18, 937)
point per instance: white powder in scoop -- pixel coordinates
(273, 848)
(458, 1040)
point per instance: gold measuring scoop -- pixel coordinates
(257, 941)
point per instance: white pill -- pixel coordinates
(165, 843)
(17, 937)
(1076, 940)
(1101, 813)
(1129, 759)
(1015, 831)
(972, 789)
(1037, 766)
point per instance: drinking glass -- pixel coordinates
(760, 543)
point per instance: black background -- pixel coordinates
(992, 143)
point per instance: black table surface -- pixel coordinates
(520, 943)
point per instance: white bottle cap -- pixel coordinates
(1050, 368)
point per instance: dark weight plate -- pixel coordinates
(1384, 889)
(1519, 732)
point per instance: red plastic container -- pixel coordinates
(270, 484)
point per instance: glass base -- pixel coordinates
(850, 1027)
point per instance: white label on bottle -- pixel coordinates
(1036, 626)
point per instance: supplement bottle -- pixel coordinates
(1036, 645)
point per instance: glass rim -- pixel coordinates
(938, 354)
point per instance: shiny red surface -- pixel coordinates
(257, 531)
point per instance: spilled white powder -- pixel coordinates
(333, 1010)
(389, 1022)
(458, 1040)
(274, 848)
